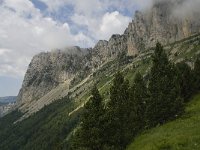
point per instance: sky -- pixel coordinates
(28, 27)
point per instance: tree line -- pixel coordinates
(135, 107)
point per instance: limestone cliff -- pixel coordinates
(47, 70)
(160, 24)
(65, 68)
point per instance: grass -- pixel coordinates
(47, 129)
(180, 134)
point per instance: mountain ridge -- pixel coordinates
(55, 123)
(8, 99)
(51, 70)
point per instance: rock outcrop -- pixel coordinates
(49, 70)
(160, 24)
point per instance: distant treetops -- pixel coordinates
(143, 105)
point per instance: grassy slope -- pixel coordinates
(45, 125)
(141, 64)
(181, 134)
(45, 130)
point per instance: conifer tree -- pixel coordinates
(90, 134)
(117, 114)
(185, 78)
(164, 91)
(196, 73)
(138, 98)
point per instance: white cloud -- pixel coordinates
(112, 23)
(188, 8)
(104, 26)
(12, 64)
(24, 31)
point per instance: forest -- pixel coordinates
(134, 107)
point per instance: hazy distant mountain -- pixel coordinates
(7, 99)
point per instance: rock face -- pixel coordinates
(48, 70)
(160, 24)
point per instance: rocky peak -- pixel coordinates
(101, 45)
(48, 70)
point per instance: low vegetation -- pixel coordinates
(119, 110)
(143, 105)
(47, 129)
(180, 134)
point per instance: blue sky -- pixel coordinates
(31, 26)
(9, 86)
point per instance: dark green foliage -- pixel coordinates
(180, 134)
(90, 134)
(9, 119)
(196, 73)
(117, 114)
(44, 130)
(130, 110)
(186, 80)
(164, 91)
(138, 98)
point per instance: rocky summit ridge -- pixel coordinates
(54, 74)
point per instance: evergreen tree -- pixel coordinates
(196, 73)
(90, 134)
(138, 98)
(164, 91)
(117, 114)
(185, 78)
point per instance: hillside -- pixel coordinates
(131, 90)
(58, 120)
(58, 73)
(57, 84)
(183, 133)
(47, 129)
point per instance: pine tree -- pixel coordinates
(164, 91)
(117, 114)
(196, 73)
(185, 78)
(138, 98)
(90, 134)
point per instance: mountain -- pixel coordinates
(53, 75)
(47, 71)
(8, 99)
(7, 104)
(52, 127)
(57, 84)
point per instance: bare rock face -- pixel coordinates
(117, 44)
(49, 70)
(160, 23)
(100, 53)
